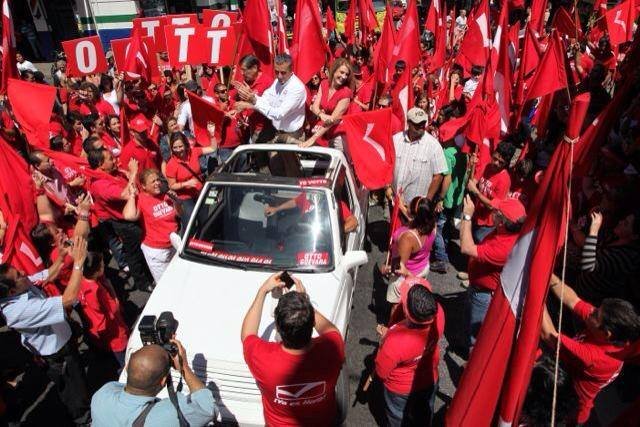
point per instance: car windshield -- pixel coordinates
(253, 225)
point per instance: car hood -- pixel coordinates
(210, 303)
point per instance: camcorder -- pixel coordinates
(159, 330)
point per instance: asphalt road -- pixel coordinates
(368, 307)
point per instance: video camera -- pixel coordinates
(160, 331)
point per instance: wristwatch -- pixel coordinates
(466, 217)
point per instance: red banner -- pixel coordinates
(84, 56)
(196, 44)
(153, 27)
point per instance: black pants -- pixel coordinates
(131, 236)
(65, 370)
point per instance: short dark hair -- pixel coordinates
(34, 158)
(87, 144)
(535, 411)
(95, 158)
(92, 263)
(421, 303)
(620, 319)
(283, 58)
(6, 283)
(250, 61)
(56, 143)
(476, 70)
(294, 316)
(506, 151)
(89, 121)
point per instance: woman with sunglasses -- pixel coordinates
(331, 103)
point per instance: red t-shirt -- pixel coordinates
(256, 120)
(104, 108)
(399, 362)
(102, 315)
(588, 363)
(297, 389)
(158, 220)
(183, 170)
(485, 269)
(493, 185)
(148, 156)
(328, 104)
(364, 94)
(106, 192)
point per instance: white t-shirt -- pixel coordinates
(26, 65)
(112, 98)
(461, 22)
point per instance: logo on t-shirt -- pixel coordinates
(305, 393)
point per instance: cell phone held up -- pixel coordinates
(286, 278)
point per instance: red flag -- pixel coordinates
(350, 23)
(383, 52)
(531, 53)
(32, 104)
(309, 49)
(431, 23)
(402, 95)
(204, 113)
(137, 60)
(553, 63)
(474, 49)
(502, 80)
(538, 9)
(368, 21)
(9, 69)
(407, 45)
(19, 211)
(620, 22)
(281, 36)
(370, 146)
(257, 28)
(500, 364)
(440, 39)
(565, 23)
(331, 22)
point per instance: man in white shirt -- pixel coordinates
(24, 65)
(283, 102)
(420, 163)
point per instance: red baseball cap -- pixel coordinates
(139, 123)
(510, 208)
(404, 293)
(55, 129)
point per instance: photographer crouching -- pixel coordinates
(148, 372)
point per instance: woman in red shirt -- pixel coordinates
(183, 171)
(100, 310)
(331, 103)
(159, 220)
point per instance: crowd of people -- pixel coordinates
(145, 162)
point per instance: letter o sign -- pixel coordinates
(85, 56)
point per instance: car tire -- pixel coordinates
(342, 395)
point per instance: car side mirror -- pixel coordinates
(354, 259)
(176, 241)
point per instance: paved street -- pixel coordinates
(362, 339)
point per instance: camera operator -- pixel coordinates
(135, 404)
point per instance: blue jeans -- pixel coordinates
(479, 300)
(443, 235)
(480, 232)
(415, 409)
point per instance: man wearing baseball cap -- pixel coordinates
(141, 148)
(487, 258)
(407, 361)
(420, 163)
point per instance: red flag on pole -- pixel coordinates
(553, 63)
(500, 364)
(350, 23)
(368, 21)
(137, 59)
(331, 22)
(370, 146)
(502, 80)
(620, 21)
(19, 211)
(538, 10)
(9, 69)
(32, 104)
(383, 52)
(204, 113)
(565, 23)
(309, 49)
(402, 95)
(407, 45)
(257, 27)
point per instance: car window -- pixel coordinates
(279, 227)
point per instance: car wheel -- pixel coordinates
(342, 395)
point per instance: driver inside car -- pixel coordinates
(305, 206)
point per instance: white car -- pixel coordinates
(231, 246)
